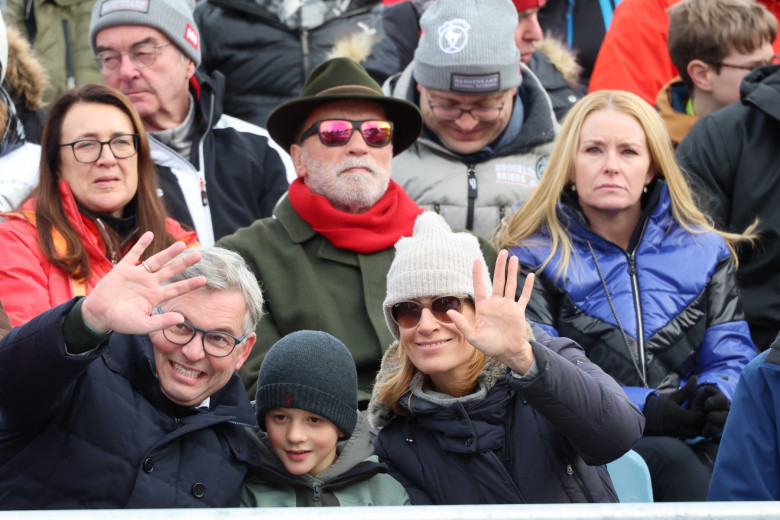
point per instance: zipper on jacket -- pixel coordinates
(472, 190)
(70, 74)
(202, 156)
(305, 52)
(317, 495)
(640, 326)
(570, 471)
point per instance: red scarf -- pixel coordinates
(391, 218)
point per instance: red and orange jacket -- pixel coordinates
(29, 282)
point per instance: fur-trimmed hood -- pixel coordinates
(561, 58)
(380, 413)
(26, 78)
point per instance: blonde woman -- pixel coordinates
(628, 266)
(477, 406)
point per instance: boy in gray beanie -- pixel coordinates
(314, 443)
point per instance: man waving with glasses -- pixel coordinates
(128, 398)
(488, 132)
(217, 173)
(323, 258)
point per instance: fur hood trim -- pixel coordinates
(26, 77)
(380, 413)
(561, 58)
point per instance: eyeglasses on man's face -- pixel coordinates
(215, 343)
(482, 114)
(90, 150)
(774, 60)
(142, 55)
(337, 132)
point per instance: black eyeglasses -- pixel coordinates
(142, 55)
(483, 114)
(89, 150)
(215, 343)
(773, 61)
(337, 132)
(407, 314)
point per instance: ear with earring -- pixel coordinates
(573, 188)
(644, 190)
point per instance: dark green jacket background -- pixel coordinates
(308, 283)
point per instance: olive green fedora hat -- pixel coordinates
(342, 79)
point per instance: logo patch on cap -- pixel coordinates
(110, 6)
(475, 84)
(191, 36)
(453, 35)
(288, 399)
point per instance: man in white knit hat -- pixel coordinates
(488, 130)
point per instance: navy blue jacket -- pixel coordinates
(96, 431)
(747, 467)
(543, 439)
(674, 292)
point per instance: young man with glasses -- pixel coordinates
(216, 173)
(489, 123)
(128, 398)
(714, 44)
(322, 258)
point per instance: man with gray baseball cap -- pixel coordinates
(489, 124)
(217, 173)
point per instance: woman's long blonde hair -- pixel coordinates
(398, 378)
(539, 210)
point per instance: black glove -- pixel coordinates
(715, 405)
(665, 415)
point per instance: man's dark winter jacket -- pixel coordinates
(244, 176)
(543, 439)
(265, 62)
(732, 161)
(95, 431)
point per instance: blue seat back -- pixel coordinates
(631, 478)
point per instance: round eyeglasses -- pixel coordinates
(90, 150)
(408, 313)
(215, 343)
(482, 114)
(142, 55)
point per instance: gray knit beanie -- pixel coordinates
(468, 47)
(171, 17)
(311, 371)
(434, 261)
(3, 49)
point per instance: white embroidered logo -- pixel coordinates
(453, 35)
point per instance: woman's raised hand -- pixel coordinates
(124, 299)
(499, 328)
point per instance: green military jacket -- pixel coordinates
(308, 283)
(60, 40)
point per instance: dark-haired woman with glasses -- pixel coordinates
(474, 404)
(96, 195)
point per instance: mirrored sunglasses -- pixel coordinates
(407, 314)
(337, 132)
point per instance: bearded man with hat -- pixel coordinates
(323, 257)
(489, 124)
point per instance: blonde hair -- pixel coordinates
(398, 378)
(540, 209)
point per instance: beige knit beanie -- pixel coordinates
(434, 261)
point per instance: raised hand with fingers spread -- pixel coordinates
(124, 299)
(500, 329)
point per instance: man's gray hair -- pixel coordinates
(226, 270)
